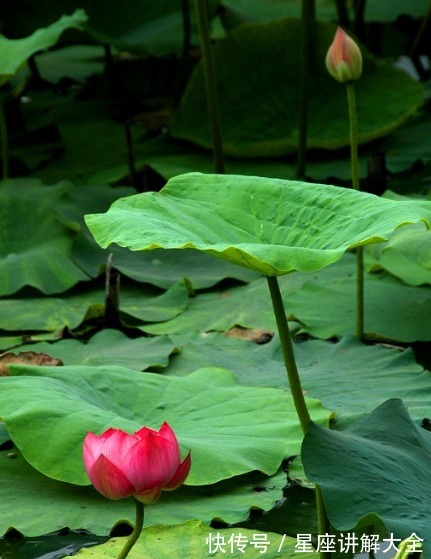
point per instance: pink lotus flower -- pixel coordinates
(344, 58)
(143, 464)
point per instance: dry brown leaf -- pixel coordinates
(26, 358)
(253, 335)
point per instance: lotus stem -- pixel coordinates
(4, 140)
(358, 26)
(322, 517)
(288, 354)
(185, 52)
(415, 48)
(355, 185)
(134, 536)
(343, 15)
(295, 385)
(307, 18)
(202, 14)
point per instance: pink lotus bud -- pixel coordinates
(344, 58)
(143, 464)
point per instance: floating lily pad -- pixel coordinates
(267, 10)
(348, 377)
(138, 26)
(267, 225)
(109, 347)
(379, 467)
(76, 119)
(405, 146)
(325, 306)
(262, 121)
(15, 52)
(53, 313)
(36, 251)
(247, 306)
(76, 62)
(407, 255)
(198, 541)
(146, 306)
(161, 267)
(212, 414)
(56, 504)
(389, 10)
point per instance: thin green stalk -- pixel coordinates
(185, 52)
(355, 184)
(322, 518)
(359, 24)
(360, 293)
(295, 385)
(136, 531)
(307, 18)
(353, 135)
(343, 15)
(201, 7)
(4, 140)
(289, 357)
(421, 33)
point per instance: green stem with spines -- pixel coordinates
(201, 7)
(356, 186)
(134, 536)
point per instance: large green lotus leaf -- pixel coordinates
(389, 10)
(161, 267)
(47, 313)
(325, 306)
(165, 267)
(34, 251)
(405, 146)
(262, 121)
(53, 313)
(56, 504)
(211, 412)
(407, 255)
(246, 306)
(376, 10)
(199, 541)
(267, 225)
(14, 52)
(76, 119)
(108, 347)
(145, 305)
(9, 342)
(349, 377)
(77, 62)
(267, 10)
(377, 467)
(138, 26)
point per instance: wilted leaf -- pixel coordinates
(26, 358)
